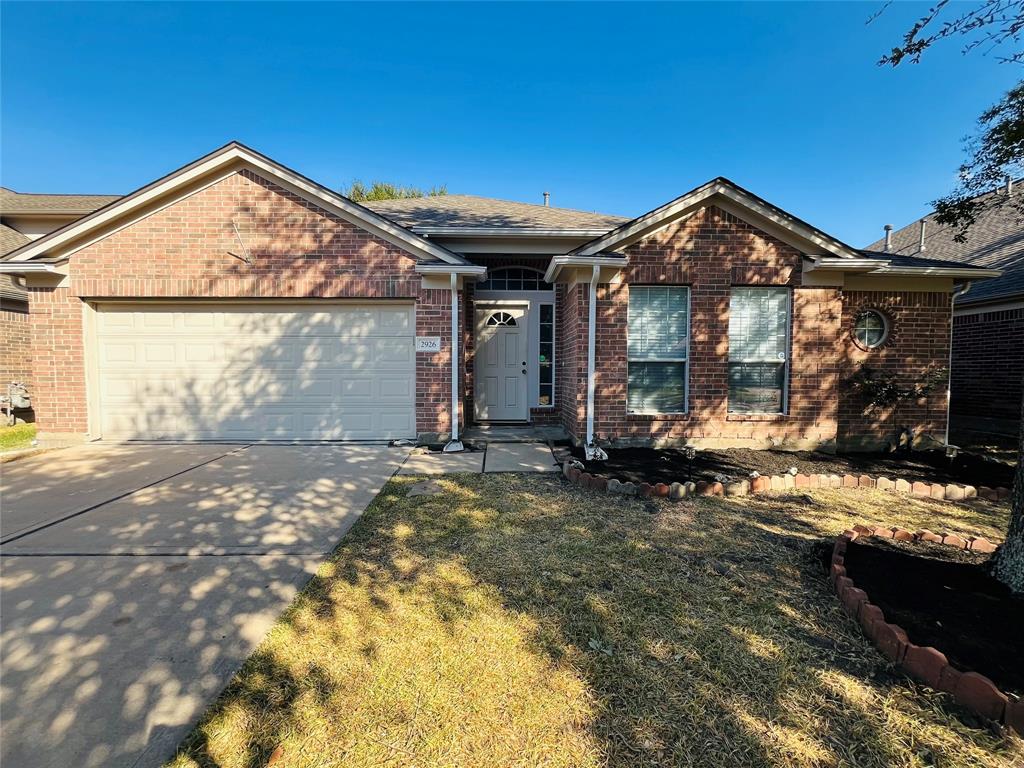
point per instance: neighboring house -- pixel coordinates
(22, 219)
(235, 299)
(988, 318)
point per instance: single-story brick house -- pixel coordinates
(988, 316)
(235, 299)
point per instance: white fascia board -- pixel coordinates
(449, 269)
(558, 263)
(35, 267)
(237, 155)
(834, 264)
(966, 274)
(881, 267)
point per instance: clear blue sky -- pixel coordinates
(611, 107)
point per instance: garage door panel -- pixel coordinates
(395, 388)
(250, 373)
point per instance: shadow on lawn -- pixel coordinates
(705, 633)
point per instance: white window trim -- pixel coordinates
(685, 361)
(885, 329)
(554, 355)
(785, 363)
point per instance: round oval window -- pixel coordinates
(871, 329)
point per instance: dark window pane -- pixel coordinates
(514, 279)
(657, 387)
(545, 373)
(546, 333)
(756, 387)
(547, 313)
(546, 394)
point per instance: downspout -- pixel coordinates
(594, 453)
(949, 375)
(455, 445)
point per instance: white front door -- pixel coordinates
(501, 372)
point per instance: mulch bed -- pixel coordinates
(944, 597)
(668, 465)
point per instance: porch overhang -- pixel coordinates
(575, 268)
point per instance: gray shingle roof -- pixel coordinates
(9, 240)
(473, 211)
(20, 202)
(996, 241)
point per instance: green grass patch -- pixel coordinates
(18, 436)
(517, 621)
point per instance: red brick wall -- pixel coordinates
(571, 350)
(15, 347)
(988, 364)
(712, 251)
(190, 250)
(918, 338)
(58, 361)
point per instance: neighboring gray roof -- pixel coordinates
(9, 240)
(996, 241)
(12, 202)
(901, 260)
(474, 212)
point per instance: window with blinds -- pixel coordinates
(657, 346)
(758, 349)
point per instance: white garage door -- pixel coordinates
(256, 372)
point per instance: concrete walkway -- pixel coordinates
(136, 579)
(496, 457)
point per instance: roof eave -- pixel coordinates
(720, 188)
(235, 152)
(558, 263)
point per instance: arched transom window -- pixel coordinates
(514, 279)
(501, 318)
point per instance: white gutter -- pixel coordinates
(949, 369)
(23, 268)
(455, 445)
(452, 269)
(594, 453)
(884, 267)
(557, 263)
(968, 274)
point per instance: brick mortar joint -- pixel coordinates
(940, 679)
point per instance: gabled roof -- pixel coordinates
(13, 203)
(737, 200)
(219, 163)
(450, 213)
(996, 241)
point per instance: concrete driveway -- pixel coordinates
(136, 579)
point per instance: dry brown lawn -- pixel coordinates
(517, 621)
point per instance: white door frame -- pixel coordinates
(482, 308)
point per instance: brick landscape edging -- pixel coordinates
(929, 665)
(763, 483)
